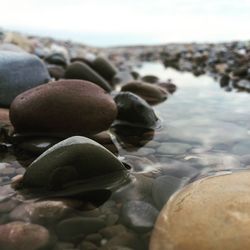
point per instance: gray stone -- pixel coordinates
(67, 167)
(139, 215)
(163, 188)
(19, 72)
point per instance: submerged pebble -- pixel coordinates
(22, 236)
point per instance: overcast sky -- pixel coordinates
(119, 22)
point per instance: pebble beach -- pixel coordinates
(123, 148)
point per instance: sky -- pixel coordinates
(129, 22)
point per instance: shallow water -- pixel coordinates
(204, 129)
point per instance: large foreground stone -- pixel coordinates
(19, 72)
(210, 214)
(69, 107)
(75, 165)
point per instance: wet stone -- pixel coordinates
(78, 226)
(150, 78)
(134, 111)
(211, 208)
(68, 174)
(139, 189)
(139, 215)
(86, 245)
(42, 212)
(29, 72)
(80, 70)
(95, 238)
(127, 239)
(163, 188)
(152, 94)
(23, 236)
(82, 108)
(104, 67)
(112, 231)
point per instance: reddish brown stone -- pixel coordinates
(151, 93)
(69, 107)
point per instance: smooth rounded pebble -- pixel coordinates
(19, 72)
(151, 93)
(210, 214)
(69, 107)
(139, 215)
(23, 236)
(80, 70)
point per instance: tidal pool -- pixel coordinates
(204, 131)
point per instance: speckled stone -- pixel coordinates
(211, 213)
(139, 215)
(23, 236)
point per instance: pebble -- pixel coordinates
(112, 231)
(7, 205)
(134, 111)
(150, 79)
(78, 226)
(42, 212)
(22, 236)
(56, 72)
(139, 215)
(94, 238)
(163, 188)
(82, 108)
(127, 239)
(86, 245)
(56, 59)
(81, 158)
(152, 94)
(104, 67)
(19, 72)
(80, 70)
(206, 215)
